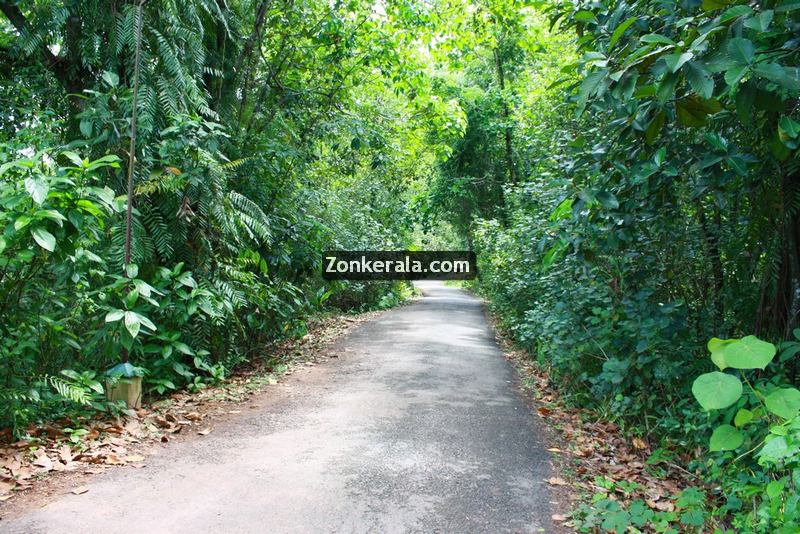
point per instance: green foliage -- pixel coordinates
(267, 133)
(690, 515)
(764, 423)
(655, 204)
(627, 173)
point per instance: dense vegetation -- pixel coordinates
(648, 202)
(626, 172)
(266, 133)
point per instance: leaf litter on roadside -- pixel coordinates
(599, 457)
(107, 441)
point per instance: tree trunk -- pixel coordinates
(501, 82)
(779, 307)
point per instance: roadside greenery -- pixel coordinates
(647, 202)
(267, 132)
(627, 173)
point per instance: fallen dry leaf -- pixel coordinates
(558, 517)
(206, 431)
(134, 458)
(65, 454)
(556, 481)
(639, 443)
(113, 459)
(44, 462)
(80, 490)
(6, 487)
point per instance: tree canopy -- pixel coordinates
(626, 172)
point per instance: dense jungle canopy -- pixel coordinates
(627, 173)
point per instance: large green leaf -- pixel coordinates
(761, 22)
(656, 38)
(716, 390)
(45, 239)
(787, 77)
(748, 353)
(743, 416)
(114, 315)
(725, 438)
(784, 403)
(132, 323)
(700, 79)
(741, 50)
(37, 188)
(666, 87)
(654, 128)
(619, 31)
(589, 87)
(693, 110)
(774, 450)
(676, 61)
(715, 347)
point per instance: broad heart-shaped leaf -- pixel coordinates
(715, 347)
(725, 438)
(45, 239)
(774, 451)
(132, 323)
(37, 188)
(784, 403)
(742, 417)
(715, 390)
(749, 353)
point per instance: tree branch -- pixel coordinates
(55, 64)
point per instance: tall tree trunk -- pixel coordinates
(501, 82)
(712, 251)
(779, 307)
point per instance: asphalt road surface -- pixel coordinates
(417, 427)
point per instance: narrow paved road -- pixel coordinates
(416, 428)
